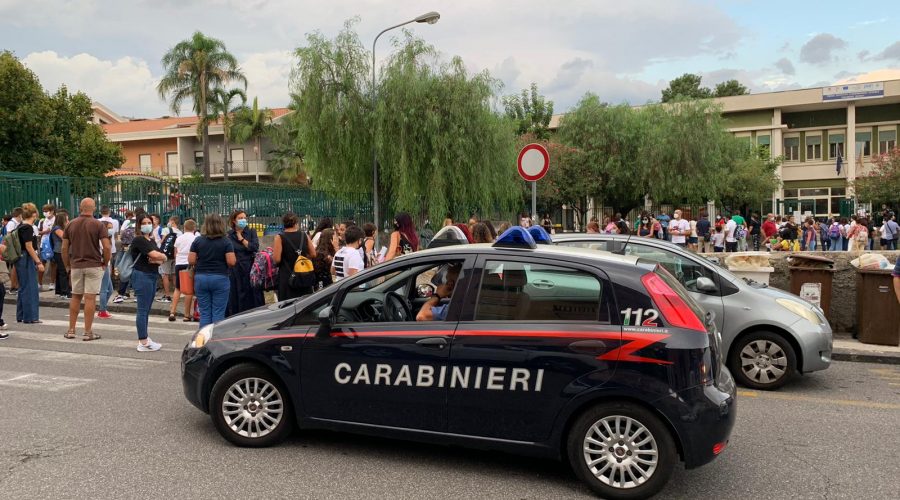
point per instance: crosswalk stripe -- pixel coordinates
(101, 327)
(103, 342)
(50, 383)
(92, 360)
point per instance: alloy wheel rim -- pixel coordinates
(621, 452)
(763, 361)
(252, 407)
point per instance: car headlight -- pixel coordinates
(202, 336)
(800, 310)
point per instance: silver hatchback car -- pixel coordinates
(767, 334)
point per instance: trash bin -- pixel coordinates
(811, 278)
(751, 265)
(877, 313)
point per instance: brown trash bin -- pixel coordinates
(877, 312)
(811, 277)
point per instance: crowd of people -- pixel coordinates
(736, 233)
(219, 269)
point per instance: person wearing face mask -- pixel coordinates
(242, 296)
(45, 227)
(679, 229)
(645, 228)
(704, 235)
(769, 228)
(404, 239)
(147, 258)
(182, 251)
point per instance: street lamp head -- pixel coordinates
(430, 18)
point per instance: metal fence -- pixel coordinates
(263, 203)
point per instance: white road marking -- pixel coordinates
(50, 383)
(91, 360)
(177, 346)
(62, 325)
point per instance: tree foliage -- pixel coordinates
(49, 134)
(882, 183)
(193, 69)
(224, 109)
(530, 111)
(252, 124)
(441, 147)
(752, 179)
(687, 86)
(678, 152)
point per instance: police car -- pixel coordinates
(594, 358)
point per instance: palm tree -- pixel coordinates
(193, 69)
(223, 108)
(252, 124)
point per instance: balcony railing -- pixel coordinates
(242, 168)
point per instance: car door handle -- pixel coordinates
(542, 284)
(433, 342)
(588, 346)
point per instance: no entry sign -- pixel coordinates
(534, 162)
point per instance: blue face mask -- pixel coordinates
(146, 228)
(242, 223)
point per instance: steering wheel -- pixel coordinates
(396, 308)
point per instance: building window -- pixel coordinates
(863, 144)
(791, 148)
(198, 159)
(887, 141)
(764, 142)
(144, 160)
(813, 147)
(835, 145)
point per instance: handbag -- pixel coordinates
(125, 266)
(186, 281)
(304, 271)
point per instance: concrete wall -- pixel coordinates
(843, 300)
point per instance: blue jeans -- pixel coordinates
(835, 244)
(845, 243)
(212, 292)
(144, 285)
(811, 246)
(106, 289)
(28, 298)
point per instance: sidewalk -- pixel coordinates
(49, 299)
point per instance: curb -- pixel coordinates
(858, 357)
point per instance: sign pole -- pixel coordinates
(533, 202)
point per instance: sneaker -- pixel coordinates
(131, 299)
(119, 299)
(52, 286)
(4, 326)
(167, 299)
(104, 315)
(13, 291)
(150, 346)
(3, 336)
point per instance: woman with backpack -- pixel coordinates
(63, 287)
(27, 267)
(289, 245)
(211, 255)
(370, 255)
(404, 239)
(245, 242)
(146, 258)
(325, 251)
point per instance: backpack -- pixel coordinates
(834, 231)
(304, 273)
(167, 246)
(740, 232)
(369, 258)
(13, 247)
(264, 272)
(405, 246)
(127, 235)
(46, 249)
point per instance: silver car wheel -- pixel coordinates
(763, 361)
(252, 407)
(620, 452)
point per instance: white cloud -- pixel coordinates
(877, 75)
(126, 85)
(268, 74)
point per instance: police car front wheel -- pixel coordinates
(248, 406)
(621, 450)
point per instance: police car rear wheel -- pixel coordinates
(248, 407)
(763, 360)
(621, 451)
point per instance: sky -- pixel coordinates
(625, 51)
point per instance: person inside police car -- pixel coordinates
(433, 309)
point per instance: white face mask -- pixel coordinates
(46, 215)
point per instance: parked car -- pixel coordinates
(768, 334)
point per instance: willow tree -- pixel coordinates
(442, 148)
(676, 152)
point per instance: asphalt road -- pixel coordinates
(101, 420)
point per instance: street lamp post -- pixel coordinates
(430, 18)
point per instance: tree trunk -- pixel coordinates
(206, 153)
(227, 165)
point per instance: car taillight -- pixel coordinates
(719, 447)
(671, 306)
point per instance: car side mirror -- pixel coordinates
(326, 320)
(707, 285)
